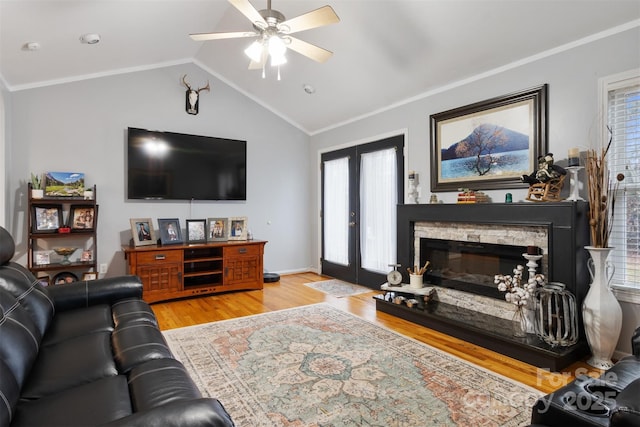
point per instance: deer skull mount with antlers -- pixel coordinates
(192, 97)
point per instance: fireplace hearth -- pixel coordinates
(481, 240)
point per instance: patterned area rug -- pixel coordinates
(319, 366)
(338, 288)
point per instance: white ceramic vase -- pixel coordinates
(601, 311)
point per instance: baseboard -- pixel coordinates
(295, 271)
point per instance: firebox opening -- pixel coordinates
(469, 266)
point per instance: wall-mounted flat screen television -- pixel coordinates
(176, 166)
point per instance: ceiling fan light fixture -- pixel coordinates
(254, 51)
(277, 50)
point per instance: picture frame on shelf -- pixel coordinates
(82, 217)
(87, 256)
(217, 229)
(142, 232)
(42, 257)
(238, 228)
(46, 218)
(489, 144)
(196, 230)
(170, 232)
(64, 184)
(89, 275)
(64, 277)
(44, 279)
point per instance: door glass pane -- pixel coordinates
(378, 199)
(336, 211)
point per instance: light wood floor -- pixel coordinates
(290, 292)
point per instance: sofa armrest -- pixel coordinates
(91, 292)
(635, 342)
(203, 412)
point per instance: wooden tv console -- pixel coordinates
(177, 271)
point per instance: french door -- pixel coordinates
(361, 187)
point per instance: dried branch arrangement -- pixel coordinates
(602, 196)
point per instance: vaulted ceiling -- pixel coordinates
(385, 51)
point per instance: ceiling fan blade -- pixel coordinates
(309, 50)
(218, 36)
(249, 11)
(316, 18)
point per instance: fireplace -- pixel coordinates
(477, 241)
(468, 266)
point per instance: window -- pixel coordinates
(621, 94)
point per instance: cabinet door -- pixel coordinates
(161, 273)
(241, 264)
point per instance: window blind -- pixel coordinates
(624, 157)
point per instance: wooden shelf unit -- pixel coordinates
(47, 240)
(178, 271)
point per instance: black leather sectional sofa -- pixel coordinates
(89, 353)
(612, 400)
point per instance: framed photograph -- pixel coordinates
(64, 277)
(196, 230)
(170, 233)
(217, 229)
(238, 228)
(142, 231)
(489, 144)
(44, 280)
(87, 256)
(46, 218)
(82, 218)
(90, 275)
(64, 184)
(41, 257)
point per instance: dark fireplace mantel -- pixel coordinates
(567, 232)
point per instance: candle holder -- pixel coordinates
(573, 170)
(532, 263)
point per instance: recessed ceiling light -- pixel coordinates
(90, 38)
(309, 89)
(31, 46)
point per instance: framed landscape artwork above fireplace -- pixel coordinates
(489, 144)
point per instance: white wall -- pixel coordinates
(81, 127)
(573, 117)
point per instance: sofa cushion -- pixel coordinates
(90, 404)
(23, 285)
(69, 364)
(75, 323)
(9, 393)
(136, 343)
(627, 411)
(19, 337)
(159, 382)
(130, 311)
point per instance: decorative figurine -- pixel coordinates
(546, 171)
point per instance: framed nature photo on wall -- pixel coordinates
(196, 230)
(489, 144)
(142, 231)
(170, 232)
(217, 229)
(238, 228)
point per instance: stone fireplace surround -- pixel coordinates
(501, 234)
(559, 228)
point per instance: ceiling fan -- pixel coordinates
(273, 34)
